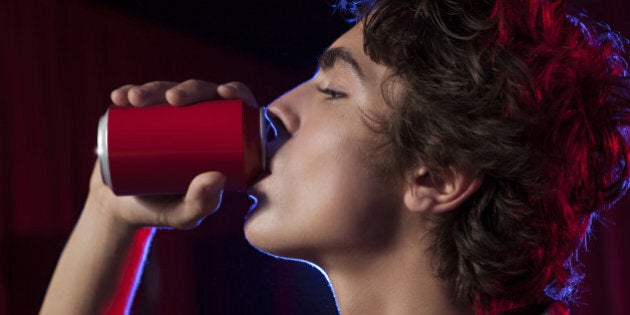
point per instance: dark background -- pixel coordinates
(58, 61)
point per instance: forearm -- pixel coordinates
(91, 265)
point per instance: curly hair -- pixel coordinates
(532, 95)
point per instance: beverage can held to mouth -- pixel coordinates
(160, 149)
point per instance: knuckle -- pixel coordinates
(125, 87)
(158, 85)
(194, 83)
(163, 220)
(191, 216)
(153, 83)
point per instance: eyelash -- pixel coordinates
(332, 94)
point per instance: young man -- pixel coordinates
(447, 158)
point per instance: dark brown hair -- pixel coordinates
(531, 95)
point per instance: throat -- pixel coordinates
(391, 285)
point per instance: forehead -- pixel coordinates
(352, 42)
(351, 38)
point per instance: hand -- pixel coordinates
(174, 211)
(179, 94)
(204, 193)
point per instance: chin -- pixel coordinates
(255, 232)
(273, 242)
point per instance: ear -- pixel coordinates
(430, 193)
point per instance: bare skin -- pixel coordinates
(96, 251)
(325, 204)
(321, 202)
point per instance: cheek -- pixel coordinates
(324, 196)
(327, 169)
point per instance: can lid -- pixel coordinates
(102, 150)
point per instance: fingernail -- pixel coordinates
(228, 86)
(180, 93)
(141, 92)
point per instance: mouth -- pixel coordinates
(254, 200)
(268, 133)
(270, 146)
(257, 199)
(273, 135)
(264, 173)
(253, 191)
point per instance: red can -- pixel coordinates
(160, 149)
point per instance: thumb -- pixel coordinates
(202, 199)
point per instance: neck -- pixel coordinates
(400, 281)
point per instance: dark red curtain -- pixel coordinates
(58, 61)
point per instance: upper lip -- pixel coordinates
(264, 173)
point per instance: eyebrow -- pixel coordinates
(331, 56)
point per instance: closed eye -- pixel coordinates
(332, 94)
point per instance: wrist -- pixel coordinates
(104, 216)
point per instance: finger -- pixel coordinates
(119, 95)
(149, 93)
(191, 91)
(237, 90)
(202, 199)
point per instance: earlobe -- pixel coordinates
(430, 193)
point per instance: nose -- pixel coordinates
(277, 133)
(283, 115)
(274, 128)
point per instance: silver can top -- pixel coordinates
(102, 150)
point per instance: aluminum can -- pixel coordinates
(159, 149)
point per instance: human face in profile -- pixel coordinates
(322, 198)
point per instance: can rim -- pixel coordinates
(102, 149)
(263, 138)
